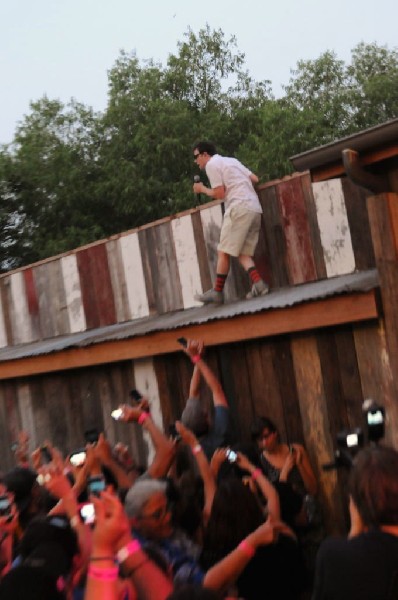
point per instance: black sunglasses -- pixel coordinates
(195, 156)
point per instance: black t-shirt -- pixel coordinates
(276, 572)
(364, 568)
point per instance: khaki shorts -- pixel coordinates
(239, 232)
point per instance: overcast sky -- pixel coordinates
(64, 49)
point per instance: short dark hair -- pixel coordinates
(259, 424)
(207, 147)
(373, 485)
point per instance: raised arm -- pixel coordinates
(224, 573)
(194, 349)
(164, 448)
(189, 438)
(265, 486)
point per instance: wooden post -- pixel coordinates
(383, 218)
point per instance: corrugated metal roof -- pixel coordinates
(281, 298)
(379, 135)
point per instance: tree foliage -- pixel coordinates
(72, 176)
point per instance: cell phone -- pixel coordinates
(174, 433)
(135, 395)
(231, 455)
(77, 457)
(91, 436)
(117, 413)
(96, 484)
(87, 512)
(5, 506)
(182, 341)
(46, 456)
(291, 449)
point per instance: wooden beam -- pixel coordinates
(337, 310)
(336, 169)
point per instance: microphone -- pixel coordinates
(196, 179)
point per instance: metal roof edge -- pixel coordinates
(362, 281)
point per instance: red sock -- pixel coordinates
(220, 282)
(253, 274)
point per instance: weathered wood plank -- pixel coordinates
(119, 286)
(356, 205)
(316, 426)
(73, 295)
(313, 225)
(163, 272)
(134, 276)
(6, 302)
(187, 261)
(334, 227)
(3, 325)
(275, 237)
(32, 302)
(378, 379)
(146, 383)
(52, 302)
(99, 306)
(20, 317)
(300, 259)
(204, 267)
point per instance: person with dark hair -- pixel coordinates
(211, 432)
(232, 182)
(235, 522)
(286, 463)
(365, 565)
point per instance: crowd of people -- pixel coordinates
(209, 518)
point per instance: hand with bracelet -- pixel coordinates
(112, 546)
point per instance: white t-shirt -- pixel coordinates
(235, 177)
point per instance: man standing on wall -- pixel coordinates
(233, 182)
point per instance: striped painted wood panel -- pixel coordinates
(19, 310)
(96, 286)
(334, 228)
(134, 276)
(73, 295)
(118, 280)
(299, 255)
(187, 260)
(50, 288)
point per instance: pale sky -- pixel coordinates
(64, 49)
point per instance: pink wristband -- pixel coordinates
(196, 358)
(196, 449)
(143, 417)
(108, 574)
(126, 551)
(247, 549)
(256, 474)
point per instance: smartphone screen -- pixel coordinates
(5, 506)
(96, 485)
(87, 513)
(77, 458)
